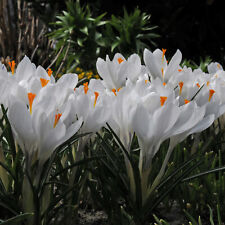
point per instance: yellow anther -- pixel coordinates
(81, 76)
(96, 76)
(207, 83)
(186, 101)
(211, 92)
(162, 100)
(164, 83)
(78, 69)
(57, 117)
(44, 82)
(12, 66)
(218, 65)
(31, 97)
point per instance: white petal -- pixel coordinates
(152, 64)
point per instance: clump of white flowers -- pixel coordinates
(156, 101)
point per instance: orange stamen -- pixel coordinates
(198, 85)
(181, 86)
(162, 100)
(179, 70)
(86, 87)
(162, 71)
(164, 83)
(96, 97)
(31, 97)
(164, 52)
(120, 60)
(186, 101)
(114, 91)
(57, 117)
(50, 72)
(218, 65)
(146, 81)
(211, 92)
(118, 89)
(44, 82)
(207, 83)
(12, 66)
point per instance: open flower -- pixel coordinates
(114, 73)
(38, 133)
(157, 64)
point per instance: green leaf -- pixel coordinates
(14, 220)
(193, 221)
(84, 30)
(114, 45)
(211, 215)
(204, 173)
(80, 42)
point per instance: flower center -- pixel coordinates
(198, 85)
(162, 70)
(114, 91)
(120, 60)
(50, 72)
(57, 117)
(211, 92)
(181, 86)
(162, 100)
(31, 97)
(12, 66)
(44, 82)
(86, 87)
(96, 97)
(163, 53)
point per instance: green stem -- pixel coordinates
(162, 170)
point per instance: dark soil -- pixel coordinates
(92, 217)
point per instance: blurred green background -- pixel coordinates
(30, 26)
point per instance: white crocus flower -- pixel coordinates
(94, 109)
(121, 107)
(114, 73)
(22, 80)
(157, 64)
(152, 129)
(60, 91)
(38, 133)
(214, 67)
